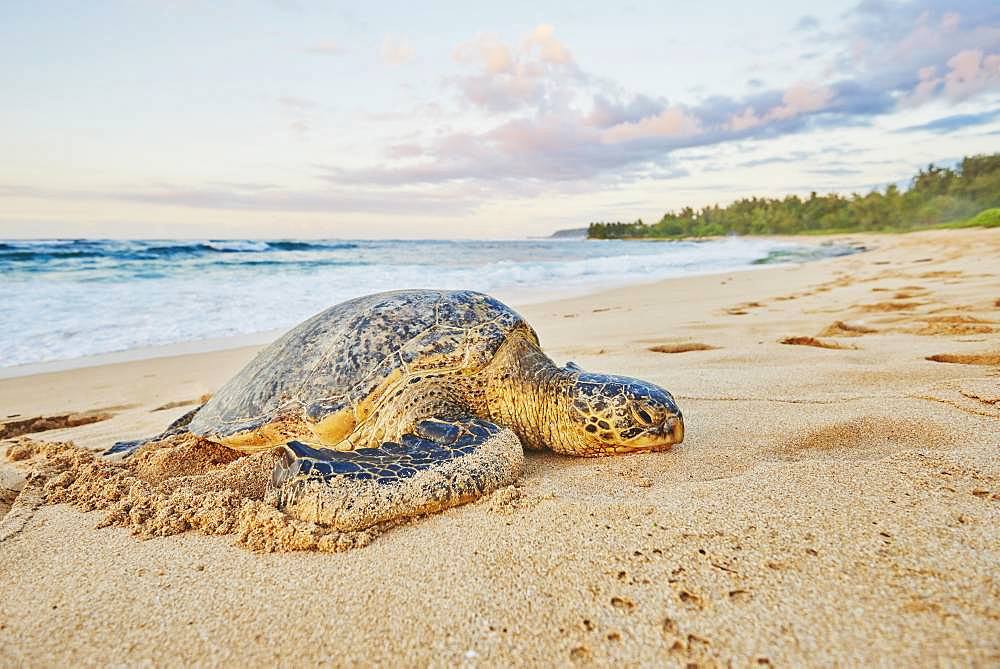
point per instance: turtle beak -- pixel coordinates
(677, 430)
(671, 432)
(661, 438)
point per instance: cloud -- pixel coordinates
(327, 48)
(538, 72)
(971, 72)
(257, 197)
(396, 51)
(671, 122)
(606, 112)
(797, 100)
(298, 104)
(836, 171)
(297, 110)
(552, 122)
(793, 157)
(955, 122)
(892, 42)
(807, 23)
(550, 50)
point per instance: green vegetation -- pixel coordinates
(988, 218)
(937, 197)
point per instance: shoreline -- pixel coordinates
(516, 298)
(838, 486)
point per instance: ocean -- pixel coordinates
(63, 299)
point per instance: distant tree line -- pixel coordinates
(937, 197)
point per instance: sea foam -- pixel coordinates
(70, 298)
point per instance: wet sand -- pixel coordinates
(836, 499)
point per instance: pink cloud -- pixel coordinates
(396, 51)
(801, 99)
(744, 120)
(509, 78)
(797, 100)
(548, 121)
(671, 122)
(972, 72)
(550, 50)
(494, 55)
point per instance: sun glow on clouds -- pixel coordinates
(527, 118)
(553, 121)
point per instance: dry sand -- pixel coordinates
(836, 501)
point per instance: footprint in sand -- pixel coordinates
(743, 309)
(845, 329)
(812, 341)
(966, 358)
(16, 426)
(682, 348)
(908, 292)
(880, 307)
(941, 274)
(953, 325)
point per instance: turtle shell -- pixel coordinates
(336, 367)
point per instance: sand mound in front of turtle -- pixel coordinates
(175, 486)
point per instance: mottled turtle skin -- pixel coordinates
(406, 402)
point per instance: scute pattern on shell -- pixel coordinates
(345, 354)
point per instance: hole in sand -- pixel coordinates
(966, 358)
(889, 306)
(682, 348)
(812, 341)
(20, 426)
(843, 329)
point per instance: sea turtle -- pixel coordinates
(401, 403)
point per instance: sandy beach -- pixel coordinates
(836, 500)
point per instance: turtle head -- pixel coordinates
(611, 414)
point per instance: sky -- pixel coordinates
(294, 118)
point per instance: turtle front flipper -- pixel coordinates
(443, 464)
(179, 426)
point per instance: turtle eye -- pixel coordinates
(643, 416)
